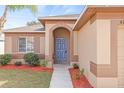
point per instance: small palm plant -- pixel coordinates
(76, 75)
(82, 71)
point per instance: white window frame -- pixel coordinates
(26, 44)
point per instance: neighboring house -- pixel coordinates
(94, 40)
(1, 43)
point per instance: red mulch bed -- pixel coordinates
(25, 67)
(82, 82)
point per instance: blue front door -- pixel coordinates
(61, 51)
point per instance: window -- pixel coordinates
(22, 44)
(30, 44)
(26, 44)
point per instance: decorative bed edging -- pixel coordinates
(82, 82)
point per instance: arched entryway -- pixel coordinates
(61, 45)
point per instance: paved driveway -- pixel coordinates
(61, 77)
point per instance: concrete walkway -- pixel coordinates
(61, 77)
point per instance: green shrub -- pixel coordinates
(75, 66)
(82, 71)
(43, 63)
(18, 63)
(32, 59)
(5, 59)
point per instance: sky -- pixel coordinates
(20, 18)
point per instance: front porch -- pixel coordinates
(60, 41)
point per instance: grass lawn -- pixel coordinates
(24, 79)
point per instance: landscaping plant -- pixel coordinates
(18, 63)
(32, 59)
(5, 59)
(82, 71)
(78, 80)
(76, 75)
(43, 63)
(75, 66)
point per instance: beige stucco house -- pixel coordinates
(94, 40)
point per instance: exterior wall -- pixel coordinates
(75, 48)
(1, 47)
(75, 44)
(87, 50)
(104, 69)
(50, 26)
(107, 69)
(1, 44)
(107, 82)
(103, 41)
(97, 52)
(11, 44)
(8, 42)
(42, 45)
(120, 56)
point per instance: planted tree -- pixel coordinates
(3, 18)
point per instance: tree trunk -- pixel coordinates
(3, 19)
